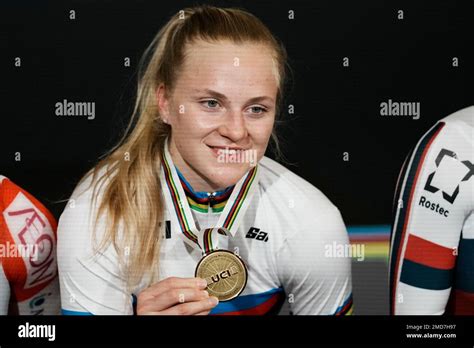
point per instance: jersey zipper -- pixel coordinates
(211, 196)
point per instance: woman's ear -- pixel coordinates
(163, 104)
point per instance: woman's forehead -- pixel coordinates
(225, 65)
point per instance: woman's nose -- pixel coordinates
(234, 126)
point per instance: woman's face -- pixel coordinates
(221, 111)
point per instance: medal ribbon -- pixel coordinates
(230, 217)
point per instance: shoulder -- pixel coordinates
(294, 195)
(15, 198)
(457, 128)
(78, 221)
(78, 209)
(8, 190)
(463, 117)
(278, 180)
(447, 146)
(86, 195)
(448, 139)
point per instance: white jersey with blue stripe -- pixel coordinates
(286, 238)
(432, 246)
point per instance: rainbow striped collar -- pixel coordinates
(232, 213)
(200, 201)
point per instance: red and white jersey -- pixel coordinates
(432, 247)
(28, 268)
(286, 238)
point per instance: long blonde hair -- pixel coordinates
(131, 198)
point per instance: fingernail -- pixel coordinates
(206, 294)
(202, 283)
(213, 301)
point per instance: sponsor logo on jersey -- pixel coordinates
(449, 173)
(433, 206)
(40, 302)
(29, 226)
(257, 234)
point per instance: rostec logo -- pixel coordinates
(433, 206)
(28, 226)
(449, 173)
(222, 275)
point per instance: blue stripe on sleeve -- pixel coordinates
(68, 312)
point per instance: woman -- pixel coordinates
(190, 180)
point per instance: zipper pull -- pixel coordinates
(211, 196)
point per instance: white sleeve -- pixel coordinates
(90, 283)
(4, 292)
(434, 199)
(316, 277)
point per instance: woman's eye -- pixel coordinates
(257, 109)
(210, 103)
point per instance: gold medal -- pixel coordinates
(225, 273)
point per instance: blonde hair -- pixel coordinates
(131, 199)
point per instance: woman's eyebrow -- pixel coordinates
(259, 99)
(215, 94)
(221, 96)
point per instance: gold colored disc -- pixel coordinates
(225, 273)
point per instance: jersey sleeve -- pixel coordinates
(433, 199)
(316, 277)
(28, 241)
(90, 280)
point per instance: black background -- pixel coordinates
(337, 108)
(236, 331)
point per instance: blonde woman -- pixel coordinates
(186, 215)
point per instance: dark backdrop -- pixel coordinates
(337, 108)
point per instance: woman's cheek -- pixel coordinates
(263, 131)
(189, 121)
(205, 121)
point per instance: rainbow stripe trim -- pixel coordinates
(183, 222)
(229, 221)
(233, 212)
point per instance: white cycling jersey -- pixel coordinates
(290, 238)
(432, 249)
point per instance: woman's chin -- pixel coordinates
(227, 176)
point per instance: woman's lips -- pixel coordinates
(234, 155)
(221, 150)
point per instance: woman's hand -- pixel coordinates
(176, 296)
